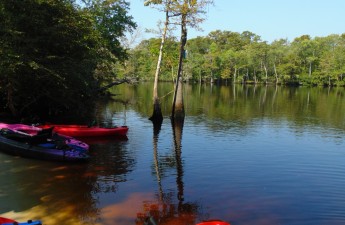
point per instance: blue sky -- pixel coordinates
(270, 19)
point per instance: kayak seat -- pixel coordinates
(48, 132)
(42, 136)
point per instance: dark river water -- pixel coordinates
(247, 155)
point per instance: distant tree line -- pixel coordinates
(55, 55)
(225, 56)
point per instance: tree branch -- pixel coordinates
(117, 82)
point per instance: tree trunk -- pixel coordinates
(172, 74)
(235, 75)
(200, 78)
(178, 107)
(266, 74)
(310, 64)
(157, 116)
(275, 72)
(10, 101)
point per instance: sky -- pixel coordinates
(269, 19)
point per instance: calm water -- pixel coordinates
(246, 155)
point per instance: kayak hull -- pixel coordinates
(213, 222)
(85, 131)
(45, 146)
(6, 221)
(39, 152)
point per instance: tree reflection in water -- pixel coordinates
(167, 209)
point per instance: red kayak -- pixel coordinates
(214, 222)
(6, 221)
(86, 131)
(151, 221)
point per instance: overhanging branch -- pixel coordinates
(117, 82)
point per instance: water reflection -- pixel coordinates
(45, 191)
(104, 140)
(169, 207)
(110, 164)
(156, 129)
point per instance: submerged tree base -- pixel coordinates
(178, 115)
(157, 116)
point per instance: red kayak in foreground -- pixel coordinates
(86, 131)
(151, 221)
(6, 221)
(214, 222)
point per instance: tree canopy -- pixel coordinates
(55, 54)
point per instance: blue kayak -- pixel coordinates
(46, 145)
(36, 222)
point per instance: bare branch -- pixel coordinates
(117, 82)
